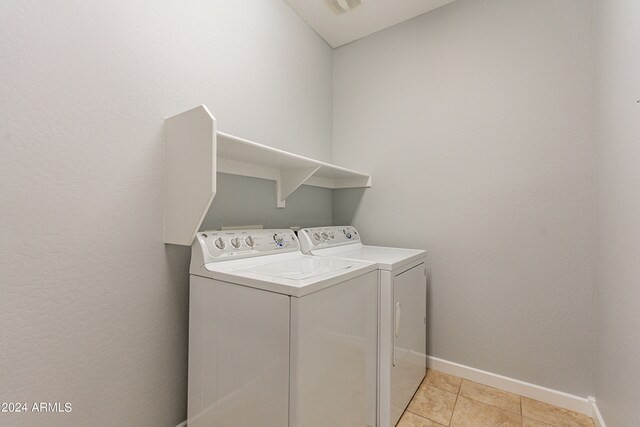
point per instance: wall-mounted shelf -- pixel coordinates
(195, 151)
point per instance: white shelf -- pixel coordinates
(196, 151)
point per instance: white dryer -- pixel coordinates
(402, 311)
(278, 338)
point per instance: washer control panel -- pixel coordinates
(326, 237)
(225, 245)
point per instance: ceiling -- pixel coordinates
(360, 21)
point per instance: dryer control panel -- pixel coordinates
(232, 244)
(326, 237)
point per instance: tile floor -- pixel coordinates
(445, 400)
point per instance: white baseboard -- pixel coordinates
(532, 391)
(596, 415)
(182, 424)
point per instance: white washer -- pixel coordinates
(278, 338)
(402, 311)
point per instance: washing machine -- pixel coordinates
(402, 312)
(278, 338)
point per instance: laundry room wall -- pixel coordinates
(306, 207)
(93, 305)
(618, 210)
(476, 123)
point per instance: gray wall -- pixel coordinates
(243, 201)
(93, 306)
(476, 121)
(618, 211)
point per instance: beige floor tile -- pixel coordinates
(528, 422)
(410, 419)
(443, 381)
(553, 415)
(469, 413)
(491, 396)
(433, 403)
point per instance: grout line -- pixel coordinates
(491, 404)
(440, 388)
(454, 405)
(521, 414)
(422, 383)
(539, 422)
(426, 385)
(422, 416)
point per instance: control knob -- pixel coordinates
(279, 239)
(316, 236)
(325, 236)
(220, 244)
(249, 241)
(235, 242)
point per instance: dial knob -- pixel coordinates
(331, 235)
(220, 244)
(316, 236)
(249, 241)
(325, 236)
(279, 239)
(235, 242)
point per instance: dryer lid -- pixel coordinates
(386, 258)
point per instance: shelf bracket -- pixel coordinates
(290, 180)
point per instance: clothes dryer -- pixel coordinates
(402, 313)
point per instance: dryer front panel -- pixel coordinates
(408, 337)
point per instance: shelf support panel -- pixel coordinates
(190, 173)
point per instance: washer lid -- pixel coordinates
(300, 268)
(290, 273)
(386, 258)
